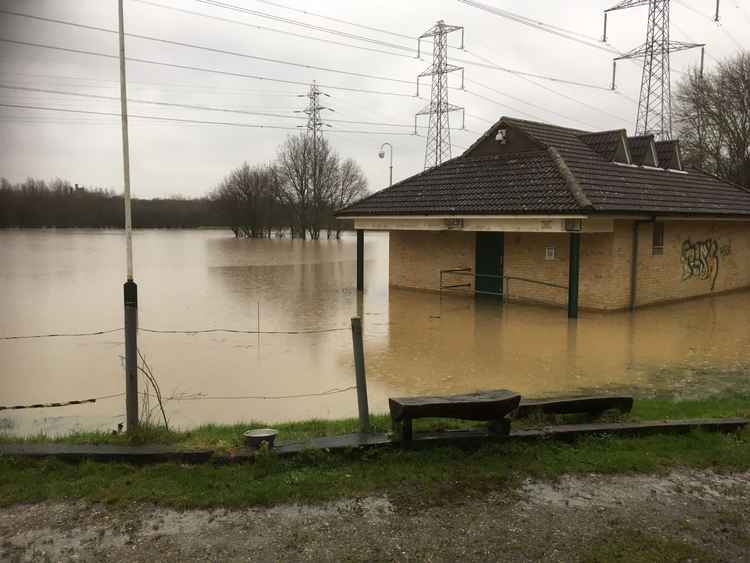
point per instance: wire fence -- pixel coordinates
(185, 397)
(61, 334)
(175, 331)
(61, 404)
(181, 396)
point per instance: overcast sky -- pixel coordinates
(169, 158)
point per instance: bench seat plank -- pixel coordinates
(574, 405)
(485, 405)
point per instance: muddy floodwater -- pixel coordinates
(415, 342)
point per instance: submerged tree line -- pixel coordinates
(297, 194)
(58, 203)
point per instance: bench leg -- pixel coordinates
(500, 427)
(406, 431)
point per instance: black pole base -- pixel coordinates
(130, 293)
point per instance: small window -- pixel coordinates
(657, 243)
(550, 253)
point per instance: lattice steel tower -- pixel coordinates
(313, 110)
(314, 126)
(655, 101)
(438, 148)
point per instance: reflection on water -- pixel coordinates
(415, 342)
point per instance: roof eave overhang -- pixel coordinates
(575, 215)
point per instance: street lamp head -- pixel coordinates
(381, 154)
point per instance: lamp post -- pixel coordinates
(381, 154)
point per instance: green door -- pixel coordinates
(489, 261)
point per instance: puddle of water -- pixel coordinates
(415, 342)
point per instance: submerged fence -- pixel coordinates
(358, 350)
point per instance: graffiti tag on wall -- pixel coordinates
(700, 260)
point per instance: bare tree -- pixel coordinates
(713, 116)
(306, 172)
(350, 186)
(247, 196)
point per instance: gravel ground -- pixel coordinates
(682, 516)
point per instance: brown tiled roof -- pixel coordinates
(532, 182)
(639, 148)
(605, 143)
(474, 185)
(666, 152)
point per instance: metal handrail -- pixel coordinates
(468, 272)
(529, 280)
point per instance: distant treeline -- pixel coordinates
(36, 203)
(58, 203)
(297, 195)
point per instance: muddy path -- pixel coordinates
(681, 516)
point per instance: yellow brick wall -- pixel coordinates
(718, 260)
(416, 257)
(525, 257)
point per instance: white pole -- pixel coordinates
(125, 146)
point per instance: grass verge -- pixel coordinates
(228, 436)
(425, 477)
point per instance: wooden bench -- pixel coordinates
(593, 405)
(491, 406)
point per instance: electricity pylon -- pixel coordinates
(655, 101)
(438, 148)
(314, 128)
(313, 110)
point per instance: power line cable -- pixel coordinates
(115, 84)
(337, 20)
(220, 123)
(529, 103)
(581, 38)
(205, 122)
(208, 49)
(202, 69)
(500, 104)
(273, 30)
(213, 108)
(557, 93)
(329, 30)
(227, 6)
(193, 106)
(480, 118)
(711, 19)
(687, 38)
(493, 66)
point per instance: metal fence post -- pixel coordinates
(359, 368)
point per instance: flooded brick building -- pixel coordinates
(541, 213)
